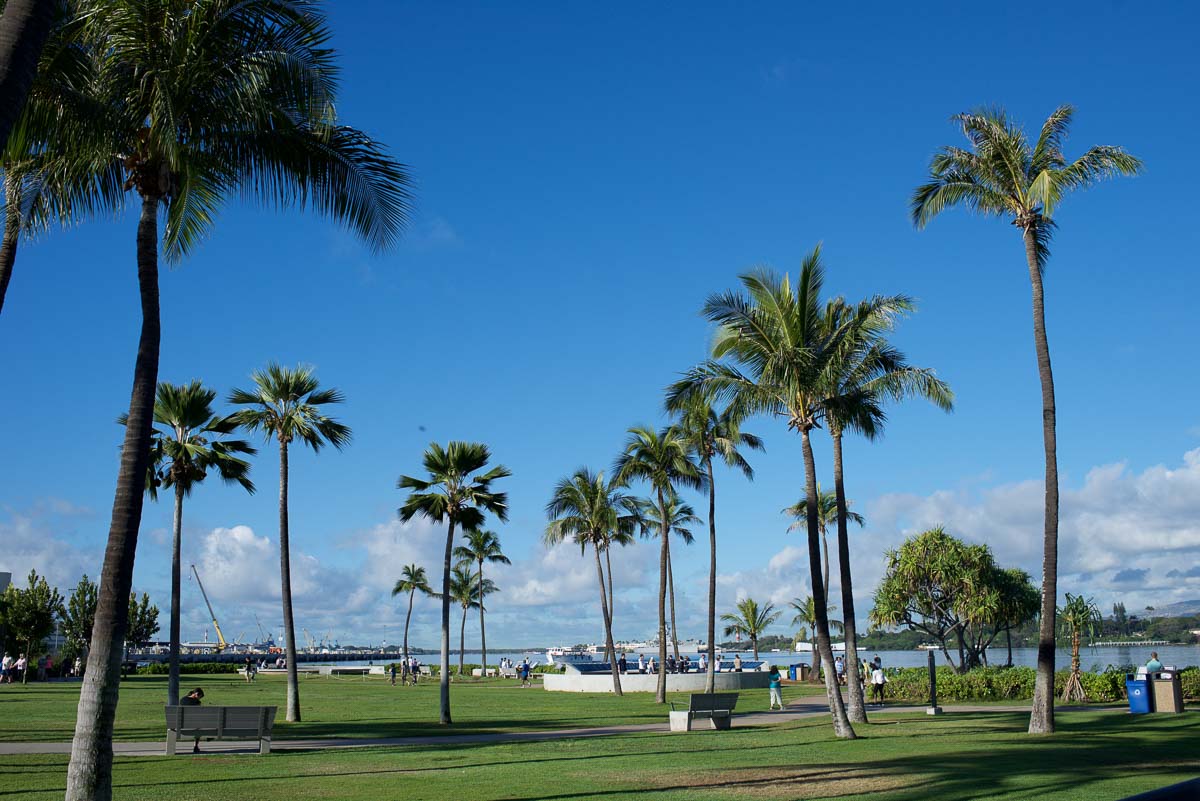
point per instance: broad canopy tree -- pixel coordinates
(28, 615)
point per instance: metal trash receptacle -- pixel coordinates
(1138, 690)
(1167, 691)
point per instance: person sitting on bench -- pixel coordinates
(193, 699)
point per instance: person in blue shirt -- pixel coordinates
(775, 683)
(1153, 666)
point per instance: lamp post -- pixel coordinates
(933, 709)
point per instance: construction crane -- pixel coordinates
(221, 644)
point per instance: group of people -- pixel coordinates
(409, 669)
(14, 668)
(682, 665)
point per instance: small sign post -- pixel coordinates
(933, 709)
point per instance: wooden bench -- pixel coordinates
(717, 707)
(220, 723)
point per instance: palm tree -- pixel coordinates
(712, 434)
(468, 591)
(592, 511)
(412, 580)
(1078, 616)
(482, 546)
(678, 516)
(286, 405)
(458, 491)
(827, 515)
(205, 100)
(24, 28)
(1000, 175)
(806, 616)
(663, 460)
(869, 372)
(186, 449)
(779, 351)
(750, 621)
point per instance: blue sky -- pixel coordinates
(585, 177)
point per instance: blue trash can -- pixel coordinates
(792, 672)
(1138, 690)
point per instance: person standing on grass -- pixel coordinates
(775, 683)
(877, 682)
(839, 665)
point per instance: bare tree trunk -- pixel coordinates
(710, 681)
(444, 685)
(660, 694)
(1041, 719)
(12, 236)
(671, 595)
(609, 647)
(24, 27)
(1008, 640)
(176, 544)
(841, 723)
(482, 630)
(856, 708)
(285, 577)
(611, 594)
(462, 640)
(407, 620)
(89, 774)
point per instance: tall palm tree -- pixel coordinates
(205, 100)
(663, 460)
(189, 445)
(806, 616)
(412, 580)
(468, 591)
(712, 434)
(675, 519)
(750, 620)
(592, 511)
(869, 372)
(1000, 174)
(286, 405)
(482, 546)
(24, 28)
(459, 492)
(827, 515)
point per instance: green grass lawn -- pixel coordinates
(344, 707)
(1094, 756)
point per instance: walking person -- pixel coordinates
(878, 679)
(775, 683)
(839, 665)
(392, 671)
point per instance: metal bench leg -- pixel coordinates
(721, 722)
(264, 745)
(171, 737)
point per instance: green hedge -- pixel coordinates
(193, 668)
(1016, 683)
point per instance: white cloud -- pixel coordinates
(48, 538)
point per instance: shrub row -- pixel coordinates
(1015, 683)
(194, 668)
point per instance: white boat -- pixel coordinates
(690, 647)
(574, 655)
(808, 647)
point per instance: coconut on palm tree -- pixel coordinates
(712, 434)
(190, 442)
(286, 404)
(204, 101)
(592, 511)
(675, 518)
(412, 580)
(482, 546)
(1002, 174)
(750, 621)
(663, 460)
(458, 492)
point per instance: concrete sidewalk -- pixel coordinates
(795, 711)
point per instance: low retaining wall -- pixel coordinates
(639, 683)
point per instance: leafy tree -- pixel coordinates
(78, 616)
(1000, 174)
(24, 27)
(679, 516)
(1078, 616)
(592, 511)
(712, 434)
(143, 621)
(663, 460)
(458, 492)
(188, 443)
(750, 621)
(1121, 619)
(206, 100)
(482, 546)
(412, 580)
(286, 405)
(1018, 603)
(28, 615)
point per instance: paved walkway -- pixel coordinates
(795, 710)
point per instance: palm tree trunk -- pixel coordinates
(856, 707)
(89, 774)
(482, 630)
(12, 235)
(841, 724)
(462, 640)
(612, 601)
(24, 28)
(660, 694)
(671, 595)
(407, 620)
(173, 657)
(1008, 640)
(710, 681)
(285, 578)
(754, 647)
(1041, 719)
(609, 646)
(444, 683)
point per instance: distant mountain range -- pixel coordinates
(1180, 609)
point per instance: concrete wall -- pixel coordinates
(638, 683)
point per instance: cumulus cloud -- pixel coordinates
(52, 537)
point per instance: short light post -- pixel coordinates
(933, 709)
